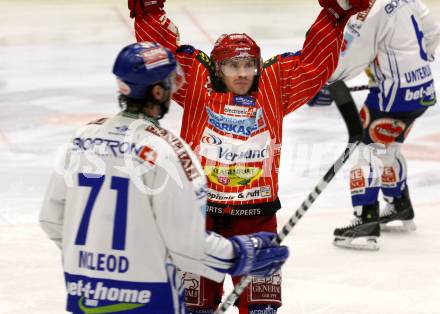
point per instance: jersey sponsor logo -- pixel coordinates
(264, 309)
(177, 145)
(394, 4)
(103, 146)
(240, 111)
(424, 94)
(386, 130)
(266, 289)
(357, 181)
(228, 150)
(389, 178)
(236, 126)
(418, 74)
(233, 176)
(246, 195)
(247, 101)
(99, 295)
(246, 155)
(191, 283)
(100, 291)
(234, 211)
(120, 130)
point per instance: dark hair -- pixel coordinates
(135, 106)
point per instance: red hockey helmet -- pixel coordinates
(230, 46)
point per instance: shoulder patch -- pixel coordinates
(205, 60)
(186, 49)
(270, 61)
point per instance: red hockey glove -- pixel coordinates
(341, 10)
(142, 7)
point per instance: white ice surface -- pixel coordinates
(55, 75)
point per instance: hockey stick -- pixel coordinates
(346, 106)
(358, 88)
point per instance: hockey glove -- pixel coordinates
(322, 98)
(142, 7)
(256, 254)
(341, 10)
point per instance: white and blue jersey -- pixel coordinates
(127, 207)
(396, 39)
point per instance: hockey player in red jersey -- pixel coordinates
(234, 104)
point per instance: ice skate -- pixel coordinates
(398, 215)
(363, 231)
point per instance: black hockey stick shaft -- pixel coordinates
(358, 88)
(348, 110)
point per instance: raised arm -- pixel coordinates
(305, 72)
(151, 23)
(361, 41)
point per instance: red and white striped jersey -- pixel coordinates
(238, 138)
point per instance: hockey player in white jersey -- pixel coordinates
(396, 40)
(127, 204)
